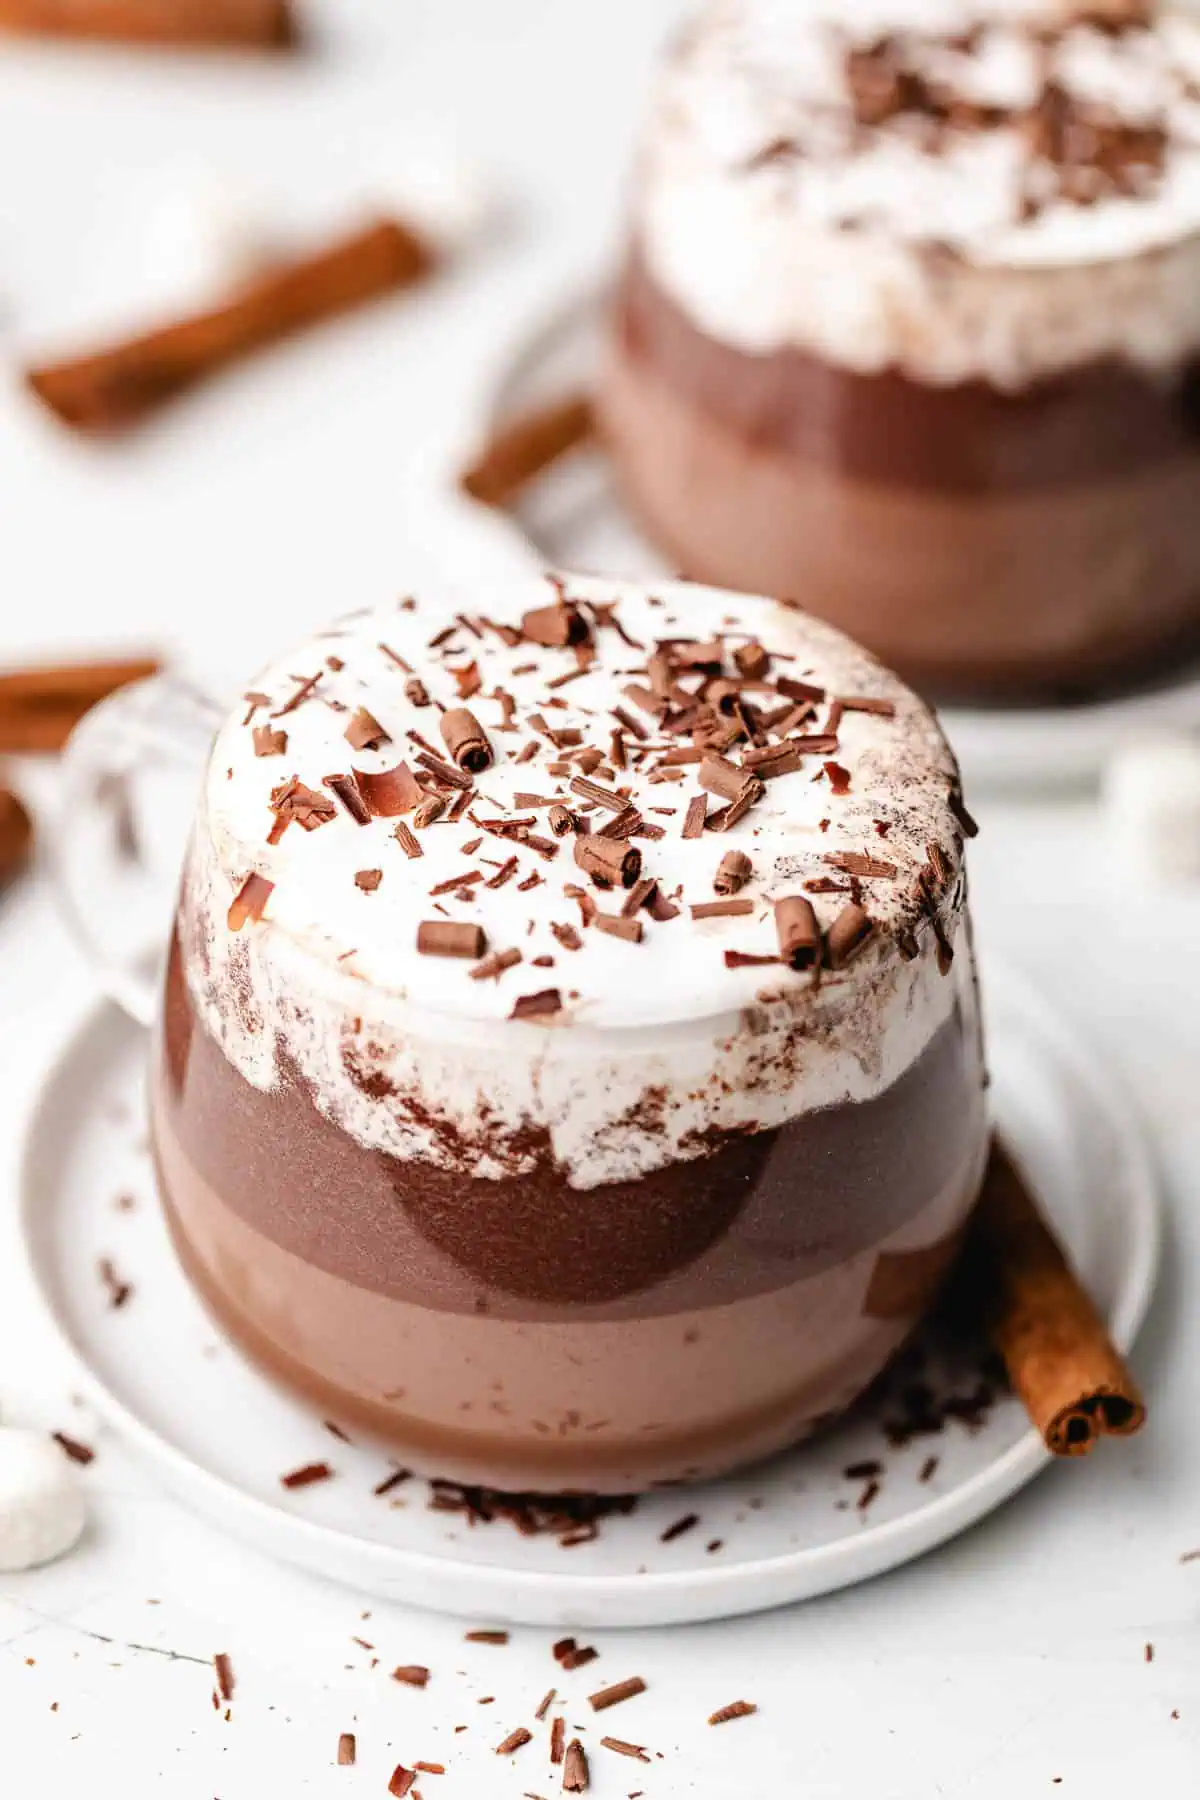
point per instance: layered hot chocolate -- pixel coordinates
(910, 329)
(571, 1066)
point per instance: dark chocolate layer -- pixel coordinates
(1100, 420)
(752, 1213)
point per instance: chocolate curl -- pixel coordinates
(555, 626)
(451, 937)
(364, 732)
(726, 780)
(562, 820)
(611, 862)
(390, 792)
(733, 872)
(523, 450)
(183, 24)
(348, 792)
(466, 740)
(250, 901)
(798, 933)
(120, 385)
(268, 741)
(16, 836)
(849, 933)
(1074, 1384)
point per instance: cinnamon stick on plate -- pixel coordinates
(119, 385)
(521, 451)
(16, 836)
(235, 24)
(1060, 1359)
(40, 707)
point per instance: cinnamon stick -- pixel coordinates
(40, 707)
(233, 24)
(120, 385)
(1074, 1383)
(16, 836)
(525, 449)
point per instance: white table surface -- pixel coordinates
(1012, 1658)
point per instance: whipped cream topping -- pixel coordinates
(635, 1050)
(955, 188)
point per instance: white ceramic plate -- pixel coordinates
(220, 1435)
(574, 519)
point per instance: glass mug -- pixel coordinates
(659, 1229)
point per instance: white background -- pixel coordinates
(289, 491)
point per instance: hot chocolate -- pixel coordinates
(910, 330)
(571, 1065)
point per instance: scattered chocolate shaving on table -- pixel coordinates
(414, 1675)
(733, 872)
(611, 862)
(620, 927)
(364, 732)
(407, 841)
(617, 1692)
(686, 1523)
(575, 1768)
(307, 1476)
(466, 740)
(555, 627)
(558, 1739)
(514, 1741)
(544, 1705)
(430, 1768)
(401, 1782)
(839, 778)
(224, 1673)
(451, 937)
(737, 1709)
(492, 967)
(928, 1469)
(347, 790)
(571, 1655)
(486, 1637)
(721, 909)
(637, 1751)
(347, 1750)
(368, 880)
(78, 1453)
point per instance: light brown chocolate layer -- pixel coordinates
(1007, 592)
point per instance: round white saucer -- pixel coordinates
(573, 519)
(221, 1436)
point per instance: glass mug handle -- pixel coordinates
(129, 778)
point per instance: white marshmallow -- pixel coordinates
(42, 1506)
(1152, 803)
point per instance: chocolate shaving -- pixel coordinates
(485, 1637)
(687, 1523)
(79, 1453)
(566, 935)
(966, 823)
(431, 807)
(694, 818)
(389, 792)
(857, 862)
(542, 1005)
(555, 626)
(307, 1476)
(451, 937)
(401, 1782)
(348, 792)
(561, 820)
(737, 1709)
(847, 936)
(575, 1769)
(629, 929)
(445, 772)
(408, 843)
(839, 778)
(368, 880)
(347, 1750)
(514, 1741)
(293, 803)
(414, 1675)
(605, 1697)
(600, 796)
(544, 1705)
(466, 879)
(723, 778)
(558, 1734)
(798, 932)
(224, 1673)
(416, 693)
(307, 685)
(733, 872)
(610, 862)
(864, 703)
(466, 740)
(798, 690)
(364, 732)
(641, 894)
(492, 967)
(268, 742)
(250, 901)
(722, 909)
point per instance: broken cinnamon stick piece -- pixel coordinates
(40, 707)
(523, 450)
(1060, 1359)
(120, 385)
(16, 836)
(231, 24)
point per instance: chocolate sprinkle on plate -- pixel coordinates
(619, 1691)
(514, 1741)
(575, 1769)
(307, 1476)
(737, 1709)
(347, 1750)
(414, 1675)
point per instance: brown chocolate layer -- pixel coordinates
(1090, 423)
(752, 1213)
